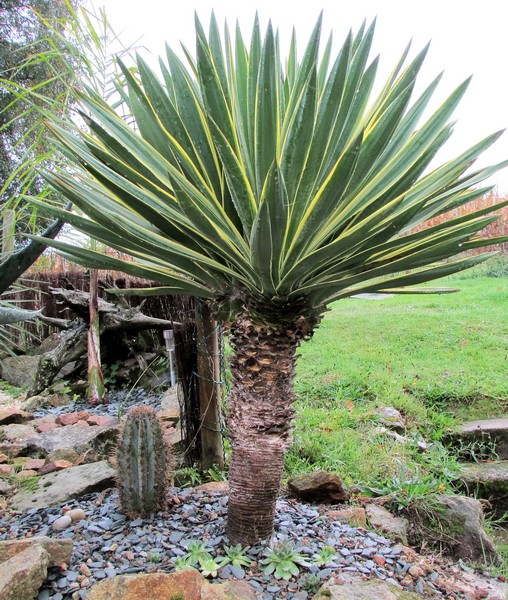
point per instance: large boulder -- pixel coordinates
(182, 585)
(61, 486)
(22, 575)
(453, 524)
(19, 370)
(488, 481)
(79, 438)
(59, 551)
(319, 487)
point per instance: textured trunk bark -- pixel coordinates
(95, 392)
(259, 425)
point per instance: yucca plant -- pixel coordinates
(271, 192)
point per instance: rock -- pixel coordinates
(4, 458)
(48, 344)
(102, 420)
(6, 470)
(170, 415)
(390, 417)
(182, 585)
(493, 432)
(34, 403)
(45, 426)
(319, 486)
(354, 515)
(488, 481)
(214, 486)
(27, 473)
(76, 514)
(72, 418)
(61, 486)
(5, 488)
(17, 432)
(61, 523)
(382, 519)
(34, 464)
(22, 575)
(356, 588)
(59, 551)
(19, 370)
(455, 524)
(74, 437)
(12, 414)
(55, 465)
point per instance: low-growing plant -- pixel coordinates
(324, 556)
(181, 563)
(197, 552)
(236, 556)
(209, 567)
(310, 582)
(282, 561)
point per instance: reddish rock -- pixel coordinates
(45, 426)
(379, 560)
(82, 423)
(72, 418)
(187, 585)
(354, 515)
(319, 487)
(59, 551)
(34, 464)
(214, 486)
(3, 458)
(22, 575)
(383, 520)
(27, 473)
(55, 465)
(102, 420)
(6, 469)
(12, 414)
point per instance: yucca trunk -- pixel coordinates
(259, 422)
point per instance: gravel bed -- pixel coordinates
(119, 402)
(106, 543)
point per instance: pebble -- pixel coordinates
(61, 523)
(76, 514)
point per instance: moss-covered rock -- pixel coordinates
(454, 525)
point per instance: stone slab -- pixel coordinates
(356, 588)
(22, 575)
(184, 585)
(493, 431)
(488, 481)
(59, 551)
(73, 437)
(60, 486)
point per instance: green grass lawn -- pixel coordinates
(439, 359)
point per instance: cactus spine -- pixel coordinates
(142, 463)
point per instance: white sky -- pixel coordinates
(467, 37)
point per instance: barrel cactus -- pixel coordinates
(142, 463)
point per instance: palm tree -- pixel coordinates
(270, 192)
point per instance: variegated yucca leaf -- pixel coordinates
(278, 184)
